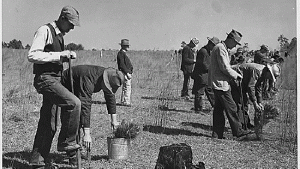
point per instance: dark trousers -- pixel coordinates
(198, 90)
(54, 93)
(242, 110)
(186, 81)
(268, 86)
(224, 101)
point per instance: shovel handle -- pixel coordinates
(78, 155)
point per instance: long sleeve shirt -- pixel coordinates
(124, 63)
(251, 74)
(220, 72)
(88, 79)
(188, 60)
(43, 37)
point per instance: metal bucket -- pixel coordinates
(118, 148)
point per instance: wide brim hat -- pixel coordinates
(195, 41)
(71, 14)
(214, 40)
(265, 47)
(237, 36)
(124, 42)
(275, 70)
(113, 79)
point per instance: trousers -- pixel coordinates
(242, 108)
(54, 93)
(225, 102)
(198, 90)
(185, 86)
(126, 92)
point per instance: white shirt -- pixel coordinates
(43, 37)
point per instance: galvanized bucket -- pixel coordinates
(118, 148)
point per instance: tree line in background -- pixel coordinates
(17, 44)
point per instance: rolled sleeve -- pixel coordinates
(42, 37)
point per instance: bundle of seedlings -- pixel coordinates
(127, 130)
(261, 118)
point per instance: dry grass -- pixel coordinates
(157, 107)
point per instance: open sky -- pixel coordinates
(154, 24)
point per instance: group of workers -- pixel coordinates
(229, 82)
(72, 89)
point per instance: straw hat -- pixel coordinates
(195, 41)
(214, 40)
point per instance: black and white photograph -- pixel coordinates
(149, 84)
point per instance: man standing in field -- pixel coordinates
(220, 74)
(89, 79)
(187, 65)
(48, 54)
(125, 66)
(200, 75)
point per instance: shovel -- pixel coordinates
(243, 106)
(78, 155)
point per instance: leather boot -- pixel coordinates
(198, 102)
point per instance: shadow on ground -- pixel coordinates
(98, 102)
(171, 131)
(165, 108)
(103, 102)
(166, 98)
(202, 126)
(99, 157)
(20, 160)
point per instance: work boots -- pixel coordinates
(198, 103)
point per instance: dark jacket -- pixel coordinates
(261, 58)
(87, 80)
(187, 63)
(200, 71)
(237, 58)
(124, 63)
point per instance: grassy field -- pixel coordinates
(164, 117)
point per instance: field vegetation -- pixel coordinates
(164, 117)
